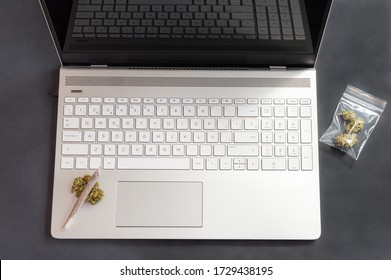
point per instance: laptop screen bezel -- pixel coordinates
(58, 25)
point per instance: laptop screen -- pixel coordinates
(196, 33)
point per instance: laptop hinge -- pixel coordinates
(277, 68)
(99, 66)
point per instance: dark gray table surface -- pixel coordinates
(355, 196)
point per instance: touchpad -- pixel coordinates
(159, 204)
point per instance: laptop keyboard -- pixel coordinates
(187, 134)
(189, 19)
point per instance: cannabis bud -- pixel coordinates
(348, 115)
(355, 125)
(95, 195)
(346, 140)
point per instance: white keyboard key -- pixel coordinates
(185, 137)
(161, 100)
(293, 137)
(246, 137)
(107, 110)
(293, 124)
(168, 124)
(266, 124)
(251, 124)
(267, 137)
(305, 112)
(305, 131)
(243, 150)
(151, 150)
(71, 123)
(122, 100)
(229, 111)
(226, 100)
(178, 150)
(273, 164)
(267, 150)
(266, 111)
(305, 101)
(239, 160)
(96, 99)
(154, 163)
(279, 124)
(175, 100)
(172, 137)
(239, 167)
(198, 164)
(202, 111)
(200, 100)
(211, 163)
(252, 101)
(141, 123)
(96, 149)
(292, 112)
(293, 164)
(134, 110)
(279, 137)
(82, 99)
(144, 136)
(109, 163)
(219, 150)
(162, 111)
(123, 150)
(206, 150)
(100, 123)
(121, 110)
(148, 100)
(89, 136)
(114, 123)
(135, 100)
(209, 124)
(109, 100)
(216, 111)
(176, 111)
(188, 100)
(292, 101)
(240, 101)
(188, 111)
(86, 123)
(117, 136)
(306, 158)
(182, 124)
(279, 101)
(222, 124)
(195, 124)
(103, 136)
(131, 136)
(279, 151)
(279, 111)
(127, 123)
(155, 124)
(157, 137)
(71, 136)
(191, 150)
(95, 162)
(74, 149)
(109, 150)
(212, 137)
(213, 101)
(164, 150)
(81, 163)
(293, 151)
(225, 164)
(67, 163)
(237, 124)
(253, 164)
(199, 137)
(137, 150)
(68, 110)
(248, 111)
(226, 137)
(266, 101)
(70, 99)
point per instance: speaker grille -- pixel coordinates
(95, 81)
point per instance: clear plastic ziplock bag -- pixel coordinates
(354, 120)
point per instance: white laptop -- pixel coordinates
(201, 113)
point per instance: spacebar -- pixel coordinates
(154, 163)
(160, 2)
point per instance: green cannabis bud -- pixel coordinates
(348, 115)
(346, 140)
(355, 125)
(95, 195)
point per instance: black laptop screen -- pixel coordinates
(218, 33)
